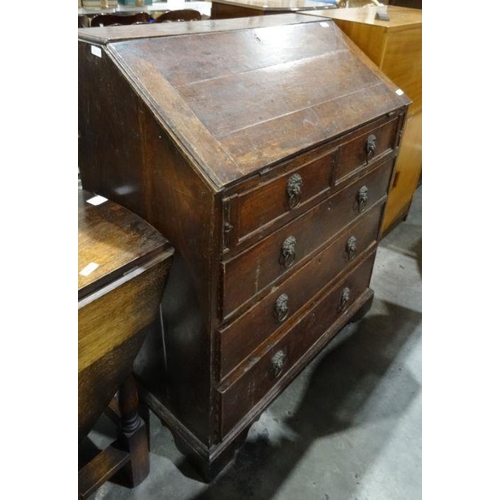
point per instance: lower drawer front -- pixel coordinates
(250, 272)
(259, 376)
(244, 335)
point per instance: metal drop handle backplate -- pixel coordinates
(371, 146)
(287, 255)
(344, 298)
(278, 363)
(362, 198)
(351, 247)
(281, 308)
(294, 190)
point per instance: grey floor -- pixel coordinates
(348, 428)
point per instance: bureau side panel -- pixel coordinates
(126, 156)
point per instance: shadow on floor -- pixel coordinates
(341, 394)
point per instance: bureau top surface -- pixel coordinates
(239, 100)
(399, 17)
(111, 241)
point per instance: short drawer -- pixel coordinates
(281, 306)
(366, 148)
(256, 379)
(245, 275)
(267, 202)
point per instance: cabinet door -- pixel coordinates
(407, 173)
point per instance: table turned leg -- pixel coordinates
(133, 434)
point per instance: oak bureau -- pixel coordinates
(262, 148)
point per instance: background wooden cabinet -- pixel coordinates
(414, 4)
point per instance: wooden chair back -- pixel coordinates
(120, 20)
(179, 15)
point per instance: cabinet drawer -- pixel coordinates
(247, 274)
(267, 202)
(254, 380)
(281, 306)
(365, 149)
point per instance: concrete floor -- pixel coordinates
(348, 428)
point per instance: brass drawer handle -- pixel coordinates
(287, 255)
(281, 308)
(371, 146)
(362, 198)
(294, 190)
(350, 247)
(278, 363)
(344, 298)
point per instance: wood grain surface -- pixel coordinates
(115, 239)
(264, 84)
